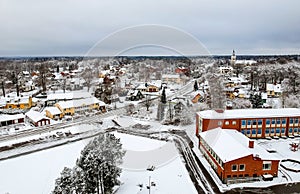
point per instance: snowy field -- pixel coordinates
(36, 172)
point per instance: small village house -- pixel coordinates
(6, 119)
(54, 113)
(37, 118)
(80, 106)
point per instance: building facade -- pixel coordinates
(247, 162)
(254, 123)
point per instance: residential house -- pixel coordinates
(134, 95)
(54, 113)
(6, 119)
(274, 90)
(80, 106)
(234, 156)
(17, 102)
(37, 118)
(58, 97)
(171, 78)
(254, 123)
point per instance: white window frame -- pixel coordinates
(243, 168)
(269, 163)
(236, 167)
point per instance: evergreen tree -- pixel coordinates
(163, 97)
(256, 100)
(63, 184)
(96, 170)
(196, 86)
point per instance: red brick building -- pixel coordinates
(234, 156)
(254, 123)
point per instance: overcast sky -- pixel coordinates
(73, 27)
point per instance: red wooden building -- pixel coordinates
(234, 156)
(254, 123)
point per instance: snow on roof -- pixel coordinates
(125, 121)
(250, 62)
(80, 102)
(53, 110)
(35, 116)
(230, 145)
(5, 117)
(176, 76)
(274, 87)
(68, 96)
(250, 113)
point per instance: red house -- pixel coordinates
(254, 123)
(234, 156)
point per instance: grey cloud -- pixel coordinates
(63, 27)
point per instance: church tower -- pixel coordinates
(233, 58)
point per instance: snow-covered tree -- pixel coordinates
(96, 170)
(99, 160)
(196, 86)
(63, 184)
(163, 98)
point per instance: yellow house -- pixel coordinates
(54, 113)
(80, 106)
(20, 103)
(273, 90)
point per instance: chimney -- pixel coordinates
(219, 110)
(251, 144)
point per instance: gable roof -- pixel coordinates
(35, 116)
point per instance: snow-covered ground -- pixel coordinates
(36, 172)
(169, 175)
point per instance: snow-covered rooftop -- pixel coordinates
(274, 87)
(35, 116)
(5, 117)
(68, 95)
(80, 102)
(53, 110)
(218, 139)
(250, 113)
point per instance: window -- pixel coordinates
(277, 130)
(295, 130)
(248, 131)
(267, 165)
(283, 121)
(243, 122)
(268, 121)
(242, 167)
(254, 122)
(253, 131)
(243, 132)
(249, 122)
(273, 121)
(234, 167)
(233, 122)
(267, 131)
(278, 121)
(291, 120)
(272, 130)
(282, 130)
(226, 122)
(259, 122)
(219, 123)
(290, 130)
(296, 121)
(259, 131)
